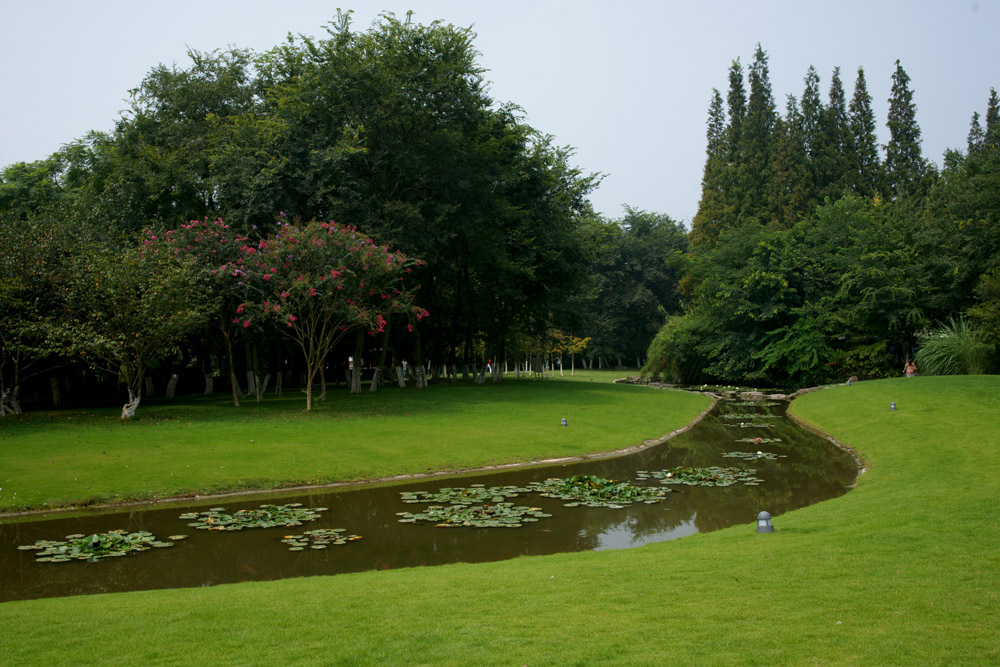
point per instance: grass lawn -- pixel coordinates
(905, 569)
(204, 444)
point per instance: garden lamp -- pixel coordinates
(892, 406)
(563, 422)
(764, 523)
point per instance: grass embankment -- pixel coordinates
(203, 445)
(905, 569)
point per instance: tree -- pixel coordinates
(905, 168)
(866, 168)
(757, 139)
(319, 282)
(714, 210)
(127, 307)
(790, 190)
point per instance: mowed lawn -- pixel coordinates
(204, 444)
(904, 569)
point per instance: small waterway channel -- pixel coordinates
(807, 469)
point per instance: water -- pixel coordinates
(813, 470)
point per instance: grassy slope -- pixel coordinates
(904, 569)
(199, 445)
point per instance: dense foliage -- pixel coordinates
(834, 264)
(359, 202)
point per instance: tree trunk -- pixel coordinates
(128, 410)
(251, 377)
(232, 369)
(400, 378)
(209, 384)
(359, 348)
(322, 383)
(258, 390)
(264, 383)
(172, 385)
(149, 385)
(56, 394)
(376, 377)
(9, 404)
(420, 376)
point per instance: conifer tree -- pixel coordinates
(757, 141)
(834, 155)
(993, 120)
(712, 209)
(977, 136)
(789, 192)
(867, 169)
(812, 113)
(905, 167)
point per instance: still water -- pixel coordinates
(812, 470)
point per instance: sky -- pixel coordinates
(627, 84)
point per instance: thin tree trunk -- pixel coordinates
(359, 348)
(400, 378)
(56, 394)
(322, 383)
(172, 385)
(232, 369)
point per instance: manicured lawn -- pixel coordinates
(904, 569)
(205, 444)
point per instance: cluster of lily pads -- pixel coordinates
(753, 403)
(592, 491)
(759, 441)
(712, 476)
(268, 516)
(476, 493)
(112, 544)
(497, 515)
(750, 456)
(751, 425)
(320, 538)
(739, 415)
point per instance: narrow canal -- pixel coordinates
(797, 467)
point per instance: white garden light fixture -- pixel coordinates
(764, 523)
(563, 422)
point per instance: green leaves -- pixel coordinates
(268, 516)
(592, 491)
(92, 548)
(498, 515)
(710, 476)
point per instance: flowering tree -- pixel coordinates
(212, 251)
(319, 282)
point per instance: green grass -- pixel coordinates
(904, 569)
(203, 444)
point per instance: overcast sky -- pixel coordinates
(626, 83)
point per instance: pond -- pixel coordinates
(797, 468)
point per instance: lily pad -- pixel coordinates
(752, 456)
(475, 493)
(92, 548)
(712, 476)
(595, 491)
(319, 539)
(268, 516)
(498, 515)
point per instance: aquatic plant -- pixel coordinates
(750, 456)
(319, 538)
(476, 493)
(268, 516)
(92, 548)
(712, 476)
(592, 491)
(498, 515)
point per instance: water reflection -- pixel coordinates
(812, 470)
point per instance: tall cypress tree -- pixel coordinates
(812, 113)
(757, 141)
(977, 136)
(993, 120)
(789, 193)
(713, 210)
(867, 168)
(905, 167)
(834, 155)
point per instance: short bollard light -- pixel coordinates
(764, 523)
(892, 406)
(563, 422)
